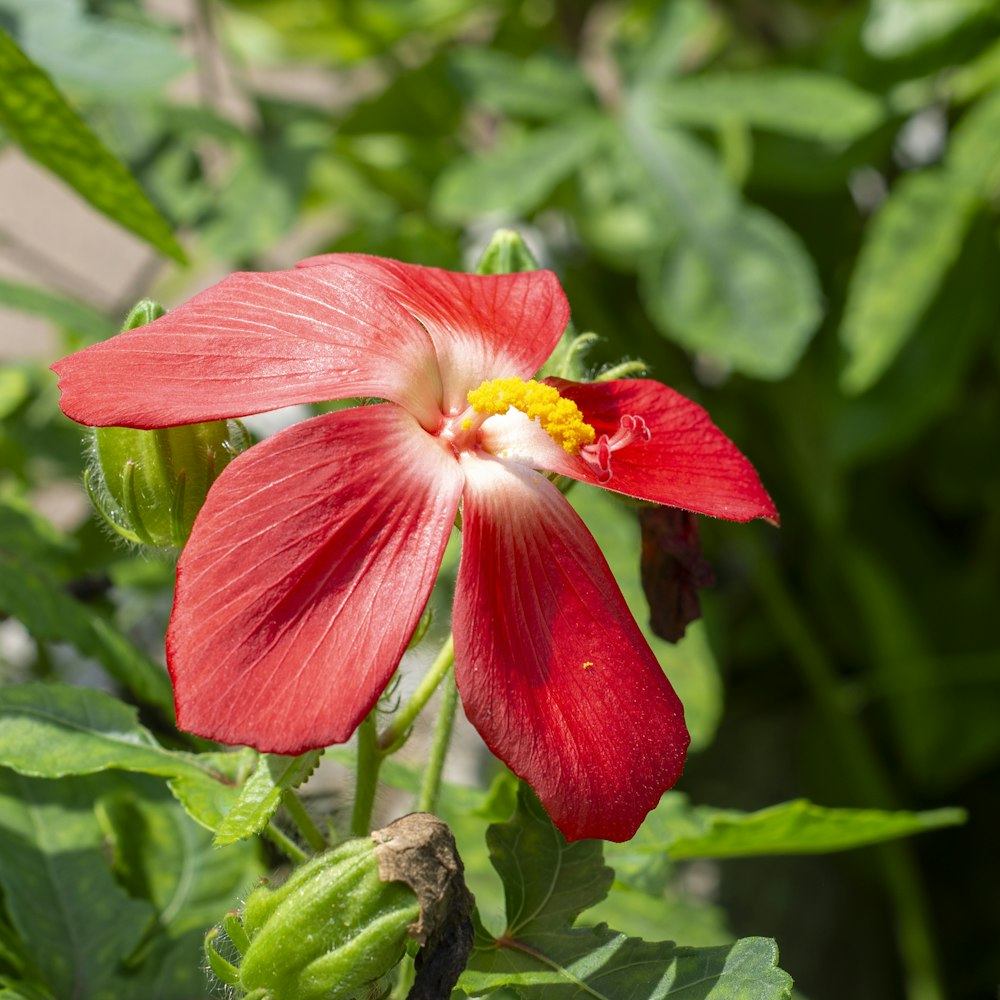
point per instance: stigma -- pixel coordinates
(559, 417)
(631, 429)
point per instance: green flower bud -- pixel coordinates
(149, 485)
(330, 929)
(340, 923)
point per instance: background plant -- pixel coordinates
(787, 210)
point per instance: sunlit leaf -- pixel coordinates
(53, 730)
(66, 313)
(515, 178)
(102, 57)
(973, 159)
(899, 27)
(539, 87)
(802, 103)
(539, 954)
(911, 244)
(735, 284)
(260, 795)
(799, 827)
(37, 117)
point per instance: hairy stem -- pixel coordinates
(285, 844)
(395, 734)
(307, 826)
(369, 762)
(439, 748)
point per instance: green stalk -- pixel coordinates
(369, 762)
(396, 733)
(285, 844)
(862, 766)
(307, 826)
(439, 748)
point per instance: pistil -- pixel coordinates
(598, 455)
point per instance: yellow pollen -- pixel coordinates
(466, 423)
(560, 418)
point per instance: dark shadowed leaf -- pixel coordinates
(58, 889)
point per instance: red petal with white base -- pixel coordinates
(483, 326)
(257, 342)
(551, 666)
(304, 578)
(687, 462)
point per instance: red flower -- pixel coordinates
(314, 555)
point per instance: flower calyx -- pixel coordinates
(341, 921)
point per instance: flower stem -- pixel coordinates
(285, 844)
(369, 762)
(307, 826)
(395, 734)
(439, 748)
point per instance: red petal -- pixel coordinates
(552, 668)
(256, 342)
(688, 462)
(304, 578)
(483, 326)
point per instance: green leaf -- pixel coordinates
(671, 38)
(58, 889)
(547, 881)
(909, 247)
(260, 795)
(66, 313)
(53, 730)
(801, 103)
(899, 27)
(518, 175)
(540, 955)
(797, 827)
(49, 613)
(538, 87)
(160, 855)
(973, 159)
(25, 533)
(233, 233)
(15, 389)
(930, 373)
(37, 117)
(102, 57)
(736, 283)
(209, 795)
(689, 664)
(603, 965)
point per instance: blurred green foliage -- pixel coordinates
(788, 210)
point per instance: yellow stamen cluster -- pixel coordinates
(560, 417)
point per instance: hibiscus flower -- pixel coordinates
(314, 555)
